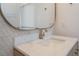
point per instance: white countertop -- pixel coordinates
(54, 46)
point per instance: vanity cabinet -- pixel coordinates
(17, 53)
(74, 51)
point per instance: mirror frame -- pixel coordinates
(29, 29)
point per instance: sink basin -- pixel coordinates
(51, 46)
(48, 42)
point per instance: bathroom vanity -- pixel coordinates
(52, 46)
(41, 17)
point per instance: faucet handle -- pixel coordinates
(46, 30)
(43, 33)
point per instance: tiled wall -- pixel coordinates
(7, 35)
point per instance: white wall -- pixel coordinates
(67, 22)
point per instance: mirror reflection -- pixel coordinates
(29, 15)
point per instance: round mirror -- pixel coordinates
(29, 15)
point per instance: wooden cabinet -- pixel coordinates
(74, 51)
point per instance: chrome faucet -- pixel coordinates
(42, 33)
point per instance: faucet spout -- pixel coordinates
(42, 33)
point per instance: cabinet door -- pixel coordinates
(74, 50)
